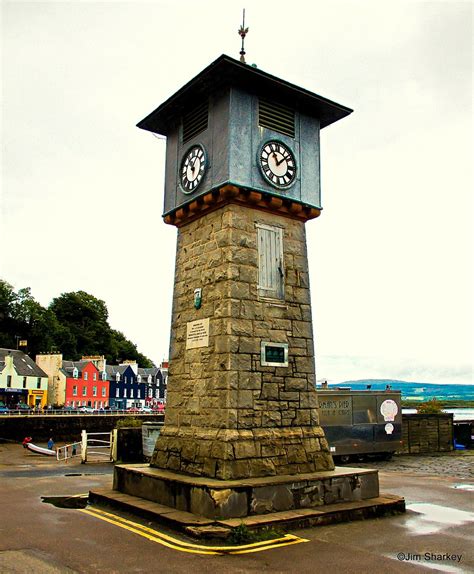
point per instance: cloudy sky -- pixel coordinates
(391, 254)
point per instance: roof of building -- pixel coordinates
(226, 71)
(69, 366)
(24, 365)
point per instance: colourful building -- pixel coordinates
(22, 381)
(86, 385)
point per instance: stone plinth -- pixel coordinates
(213, 498)
(227, 415)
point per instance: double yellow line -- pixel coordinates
(182, 546)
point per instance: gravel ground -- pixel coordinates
(457, 464)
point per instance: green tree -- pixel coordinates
(431, 407)
(22, 317)
(86, 331)
(8, 323)
(75, 324)
(84, 318)
(123, 349)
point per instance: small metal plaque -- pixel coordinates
(197, 334)
(274, 354)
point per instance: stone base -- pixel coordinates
(226, 499)
(228, 454)
(208, 528)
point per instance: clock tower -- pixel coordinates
(241, 434)
(234, 125)
(242, 178)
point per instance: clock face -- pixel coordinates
(277, 163)
(193, 168)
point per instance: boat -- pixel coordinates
(40, 449)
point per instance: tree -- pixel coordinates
(84, 317)
(8, 324)
(431, 407)
(75, 324)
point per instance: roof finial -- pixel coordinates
(242, 33)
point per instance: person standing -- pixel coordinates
(50, 444)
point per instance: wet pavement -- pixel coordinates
(436, 533)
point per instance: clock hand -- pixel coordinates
(283, 158)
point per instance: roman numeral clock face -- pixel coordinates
(278, 164)
(193, 168)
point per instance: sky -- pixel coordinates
(391, 254)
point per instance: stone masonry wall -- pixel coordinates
(226, 415)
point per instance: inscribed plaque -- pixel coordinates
(197, 334)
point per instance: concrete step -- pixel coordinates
(200, 526)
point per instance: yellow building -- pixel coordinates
(22, 381)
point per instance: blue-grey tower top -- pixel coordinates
(237, 128)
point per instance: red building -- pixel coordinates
(86, 386)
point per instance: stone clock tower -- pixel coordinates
(241, 439)
(242, 178)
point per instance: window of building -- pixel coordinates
(117, 377)
(117, 393)
(125, 393)
(94, 391)
(84, 391)
(94, 376)
(104, 391)
(139, 378)
(75, 373)
(104, 376)
(9, 380)
(38, 383)
(24, 382)
(86, 376)
(270, 261)
(74, 391)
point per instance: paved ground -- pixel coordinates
(459, 464)
(436, 533)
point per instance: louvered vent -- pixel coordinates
(195, 122)
(276, 117)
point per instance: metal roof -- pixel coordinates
(226, 71)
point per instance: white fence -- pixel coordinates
(93, 447)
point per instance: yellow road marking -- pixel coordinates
(285, 538)
(176, 544)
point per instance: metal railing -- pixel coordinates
(72, 450)
(76, 412)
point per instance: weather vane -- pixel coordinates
(242, 33)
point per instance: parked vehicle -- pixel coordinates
(360, 424)
(23, 407)
(88, 410)
(3, 408)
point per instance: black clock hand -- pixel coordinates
(283, 158)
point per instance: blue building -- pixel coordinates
(131, 386)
